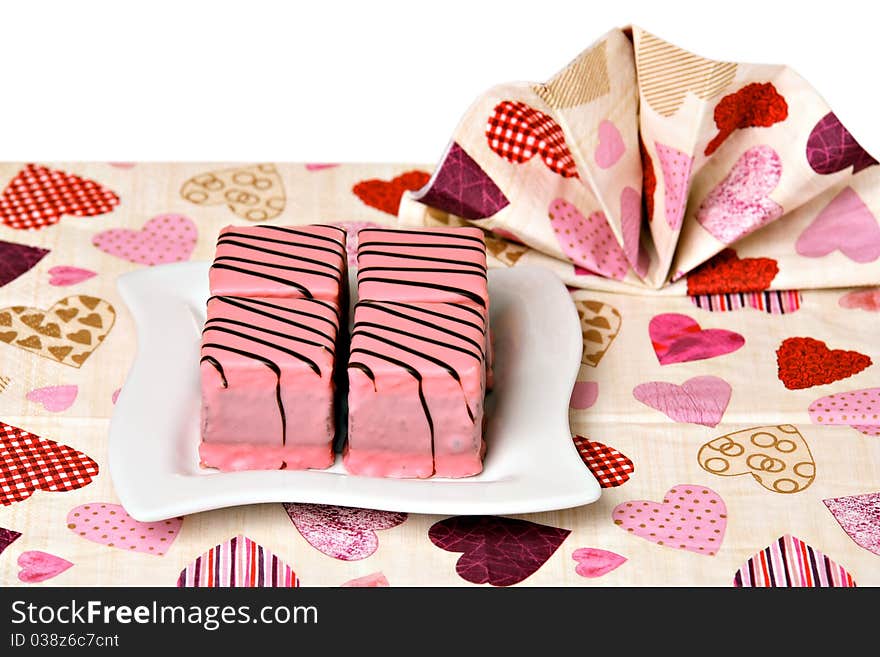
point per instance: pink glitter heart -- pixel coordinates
(341, 532)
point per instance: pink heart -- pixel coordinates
(63, 276)
(164, 238)
(368, 581)
(860, 409)
(587, 241)
(592, 562)
(691, 517)
(318, 166)
(676, 167)
(115, 396)
(583, 395)
(679, 339)
(631, 226)
(54, 398)
(39, 566)
(859, 517)
(611, 147)
(845, 224)
(110, 525)
(868, 300)
(123, 165)
(741, 202)
(700, 400)
(341, 532)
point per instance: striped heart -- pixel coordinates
(239, 562)
(789, 562)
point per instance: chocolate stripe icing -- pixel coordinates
(440, 363)
(301, 270)
(281, 254)
(220, 320)
(240, 302)
(434, 233)
(384, 327)
(305, 359)
(477, 299)
(302, 288)
(268, 363)
(391, 254)
(303, 233)
(419, 260)
(380, 306)
(338, 250)
(409, 369)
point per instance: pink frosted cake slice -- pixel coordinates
(417, 380)
(306, 262)
(422, 266)
(267, 383)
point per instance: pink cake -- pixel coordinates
(433, 266)
(416, 388)
(279, 261)
(267, 383)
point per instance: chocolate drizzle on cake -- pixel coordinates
(217, 366)
(245, 331)
(272, 365)
(412, 371)
(421, 258)
(245, 242)
(245, 303)
(376, 331)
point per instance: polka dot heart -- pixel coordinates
(163, 239)
(689, 518)
(110, 525)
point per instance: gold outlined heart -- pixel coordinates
(255, 193)
(67, 333)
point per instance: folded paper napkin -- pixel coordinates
(643, 167)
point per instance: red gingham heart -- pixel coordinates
(610, 467)
(38, 197)
(29, 463)
(518, 132)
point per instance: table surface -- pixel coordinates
(653, 420)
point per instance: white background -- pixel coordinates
(359, 81)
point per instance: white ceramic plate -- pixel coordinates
(531, 463)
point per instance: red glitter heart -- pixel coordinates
(727, 273)
(806, 362)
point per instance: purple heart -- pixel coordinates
(16, 259)
(831, 148)
(462, 188)
(7, 538)
(495, 550)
